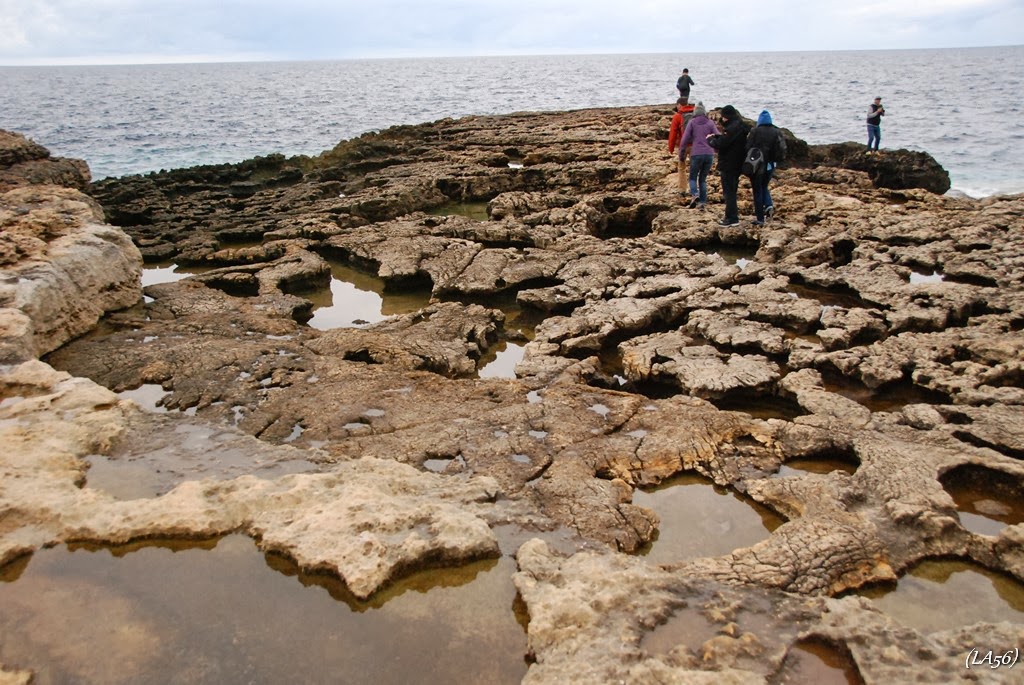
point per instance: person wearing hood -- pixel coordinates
(697, 133)
(731, 147)
(769, 139)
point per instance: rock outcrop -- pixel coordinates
(873, 322)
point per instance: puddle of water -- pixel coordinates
(444, 464)
(474, 210)
(919, 278)
(169, 272)
(159, 462)
(829, 297)
(177, 612)
(732, 254)
(687, 627)
(500, 359)
(945, 594)
(800, 467)
(701, 519)
(818, 662)
(760, 407)
(503, 365)
(888, 398)
(147, 396)
(987, 500)
(357, 299)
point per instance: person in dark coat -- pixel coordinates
(683, 84)
(768, 138)
(731, 144)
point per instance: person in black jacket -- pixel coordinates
(875, 114)
(732, 148)
(683, 84)
(772, 144)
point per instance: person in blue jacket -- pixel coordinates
(769, 139)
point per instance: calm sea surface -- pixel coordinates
(964, 106)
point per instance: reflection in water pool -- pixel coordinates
(168, 272)
(356, 299)
(500, 360)
(921, 279)
(987, 500)
(800, 467)
(818, 662)
(222, 612)
(506, 356)
(701, 519)
(473, 210)
(931, 596)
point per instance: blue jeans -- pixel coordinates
(874, 136)
(700, 165)
(762, 198)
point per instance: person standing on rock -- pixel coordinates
(875, 114)
(769, 139)
(683, 84)
(675, 134)
(698, 133)
(731, 144)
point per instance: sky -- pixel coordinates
(34, 32)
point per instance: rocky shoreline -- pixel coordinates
(874, 322)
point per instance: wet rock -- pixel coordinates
(870, 323)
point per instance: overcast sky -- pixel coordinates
(142, 31)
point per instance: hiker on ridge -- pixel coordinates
(683, 84)
(731, 144)
(875, 114)
(768, 138)
(683, 114)
(698, 133)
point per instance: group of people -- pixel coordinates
(699, 139)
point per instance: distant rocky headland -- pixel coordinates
(874, 326)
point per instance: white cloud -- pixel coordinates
(62, 31)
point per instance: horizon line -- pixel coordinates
(257, 59)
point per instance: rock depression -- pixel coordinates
(873, 322)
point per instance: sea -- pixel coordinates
(963, 105)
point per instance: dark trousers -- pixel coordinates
(762, 198)
(730, 184)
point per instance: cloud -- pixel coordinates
(53, 31)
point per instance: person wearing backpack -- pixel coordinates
(684, 112)
(731, 146)
(697, 133)
(767, 138)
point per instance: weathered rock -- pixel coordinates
(870, 323)
(64, 269)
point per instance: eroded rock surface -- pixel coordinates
(872, 321)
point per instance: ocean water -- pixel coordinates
(963, 106)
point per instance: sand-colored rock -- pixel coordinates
(872, 321)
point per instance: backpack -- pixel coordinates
(753, 165)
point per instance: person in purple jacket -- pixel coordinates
(702, 155)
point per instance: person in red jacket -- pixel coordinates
(684, 112)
